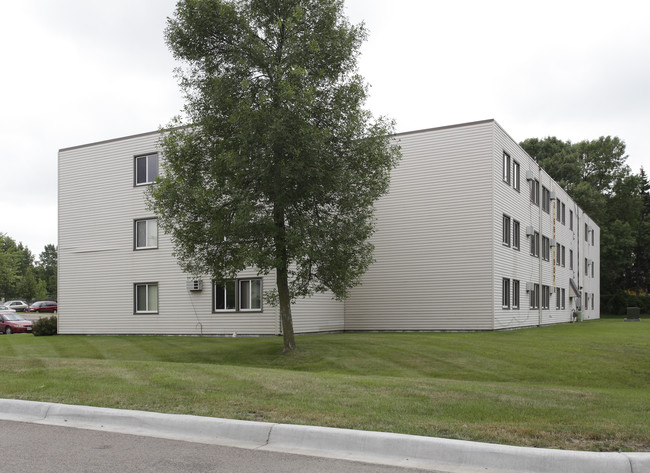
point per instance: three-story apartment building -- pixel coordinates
(473, 235)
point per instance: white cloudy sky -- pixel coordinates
(79, 71)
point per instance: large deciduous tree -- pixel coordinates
(277, 164)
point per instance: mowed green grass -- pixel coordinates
(580, 386)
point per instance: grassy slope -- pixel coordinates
(581, 386)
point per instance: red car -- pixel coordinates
(43, 306)
(10, 322)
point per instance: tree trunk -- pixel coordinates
(285, 309)
(282, 280)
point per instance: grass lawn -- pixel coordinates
(580, 386)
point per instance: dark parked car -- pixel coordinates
(43, 306)
(18, 306)
(11, 322)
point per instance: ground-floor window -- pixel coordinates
(534, 296)
(515, 294)
(563, 298)
(238, 295)
(546, 297)
(505, 293)
(146, 297)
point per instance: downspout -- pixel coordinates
(541, 291)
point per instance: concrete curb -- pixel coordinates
(374, 447)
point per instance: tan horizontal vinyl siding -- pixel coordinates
(432, 243)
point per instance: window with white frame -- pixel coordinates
(505, 293)
(546, 297)
(146, 298)
(558, 210)
(558, 254)
(592, 237)
(570, 259)
(233, 295)
(546, 249)
(586, 267)
(534, 297)
(146, 169)
(546, 200)
(225, 299)
(534, 191)
(586, 232)
(563, 256)
(558, 297)
(506, 231)
(563, 213)
(515, 294)
(593, 296)
(146, 234)
(563, 298)
(506, 167)
(570, 219)
(516, 175)
(534, 244)
(592, 269)
(515, 234)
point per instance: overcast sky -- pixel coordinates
(80, 71)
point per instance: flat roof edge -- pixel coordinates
(112, 140)
(458, 125)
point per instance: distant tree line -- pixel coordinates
(21, 277)
(596, 176)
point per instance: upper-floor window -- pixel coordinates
(146, 234)
(563, 206)
(586, 233)
(534, 191)
(515, 234)
(146, 169)
(546, 200)
(570, 259)
(534, 244)
(506, 167)
(570, 219)
(546, 249)
(516, 174)
(563, 255)
(592, 237)
(505, 238)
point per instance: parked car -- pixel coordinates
(18, 306)
(6, 309)
(11, 322)
(43, 306)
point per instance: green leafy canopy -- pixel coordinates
(276, 164)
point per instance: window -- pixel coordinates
(586, 233)
(546, 297)
(515, 234)
(146, 169)
(534, 191)
(515, 294)
(224, 296)
(534, 297)
(592, 269)
(516, 174)
(570, 219)
(586, 267)
(563, 298)
(563, 256)
(570, 259)
(546, 200)
(558, 254)
(558, 297)
(592, 237)
(563, 213)
(505, 293)
(593, 296)
(586, 300)
(146, 234)
(250, 294)
(238, 295)
(146, 298)
(546, 249)
(534, 244)
(506, 167)
(506, 231)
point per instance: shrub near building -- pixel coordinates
(45, 326)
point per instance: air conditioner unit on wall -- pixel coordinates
(529, 231)
(553, 196)
(552, 242)
(195, 285)
(529, 175)
(529, 286)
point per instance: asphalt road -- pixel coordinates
(37, 448)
